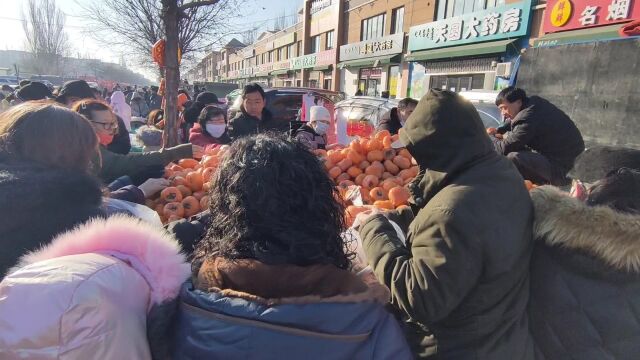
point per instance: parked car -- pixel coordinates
(285, 104)
(360, 115)
(9, 80)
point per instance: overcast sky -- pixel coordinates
(258, 12)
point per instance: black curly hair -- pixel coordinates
(272, 201)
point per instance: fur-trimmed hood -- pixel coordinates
(148, 249)
(607, 235)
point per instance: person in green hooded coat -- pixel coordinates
(461, 282)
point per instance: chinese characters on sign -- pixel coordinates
(501, 22)
(387, 45)
(564, 15)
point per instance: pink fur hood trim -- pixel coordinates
(150, 250)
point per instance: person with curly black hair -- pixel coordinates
(274, 267)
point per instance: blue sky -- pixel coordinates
(258, 13)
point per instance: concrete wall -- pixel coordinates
(596, 84)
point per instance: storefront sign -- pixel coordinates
(496, 23)
(371, 73)
(561, 15)
(388, 45)
(322, 58)
(281, 41)
(318, 5)
(282, 65)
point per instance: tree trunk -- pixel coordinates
(172, 73)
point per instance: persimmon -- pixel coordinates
(194, 181)
(402, 162)
(386, 142)
(405, 153)
(374, 145)
(345, 184)
(204, 203)
(320, 152)
(389, 154)
(191, 206)
(359, 179)
(406, 174)
(188, 163)
(391, 167)
(370, 181)
(176, 168)
(212, 161)
(382, 134)
(174, 208)
(384, 204)
(342, 176)
(399, 196)
(345, 164)
(334, 156)
(375, 155)
(364, 194)
(171, 194)
(352, 211)
(328, 165)
(377, 193)
(179, 180)
(389, 184)
(354, 172)
(207, 174)
(355, 157)
(184, 190)
(364, 165)
(199, 195)
(335, 172)
(206, 186)
(168, 173)
(356, 146)
(386, 175)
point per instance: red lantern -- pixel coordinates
(157, 52)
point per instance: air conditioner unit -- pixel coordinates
(504, 69)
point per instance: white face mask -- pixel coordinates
(216, 130)
(321, 128)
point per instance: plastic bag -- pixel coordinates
(360, 263)
(115, 206)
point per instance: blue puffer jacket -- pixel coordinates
(227, 324)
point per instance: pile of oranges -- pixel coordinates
(190, 182)
(371, 170)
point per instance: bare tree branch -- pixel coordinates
(197, 3)
(47, 41)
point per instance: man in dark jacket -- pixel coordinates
(463, 274)
(155, 100)
(538, 125)
(398, 116)
(253, 117)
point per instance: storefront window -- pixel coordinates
(372, 28)
(397, 20)
(327, 84)
(292, 51)
(451, 8)
(392, 83)
(457, 82)
(369, 81)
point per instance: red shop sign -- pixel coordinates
(561, 15)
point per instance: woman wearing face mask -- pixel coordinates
(113, 166)
(314, 134)
(211, 129)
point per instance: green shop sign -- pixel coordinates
(502, 22)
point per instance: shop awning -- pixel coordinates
(261, 74)
(577, 36)
(491, 47)
(322, 68)
(382, 60)
(280, 72)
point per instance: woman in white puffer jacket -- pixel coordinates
(87, 294)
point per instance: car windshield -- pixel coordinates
(489, 114)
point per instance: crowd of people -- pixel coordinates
(476, 268)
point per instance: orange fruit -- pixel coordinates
(184, 190)
(355, 157)
(354, 172)
(194, 181)
(320, 152)
(377, 193)
(402, 162)
(363, 165)
(386, 142)
(382, 134)
(389, 154)
(386, 175)
(188, 163)
(359, 179)
(399, 196)
(374, 145)
(334, 156)
(342, 176)
(375, 155)
(335, 172)
(391, 167)
(370, 181)
(405, 153)
(384, 204)
(356, 146)
(191, 206)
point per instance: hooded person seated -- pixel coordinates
(585, 269)
(314, 134)
(271, 279)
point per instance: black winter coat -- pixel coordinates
(40, 202)
(544, 128)
(585, 280)
(245, 125)
(121, 143)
